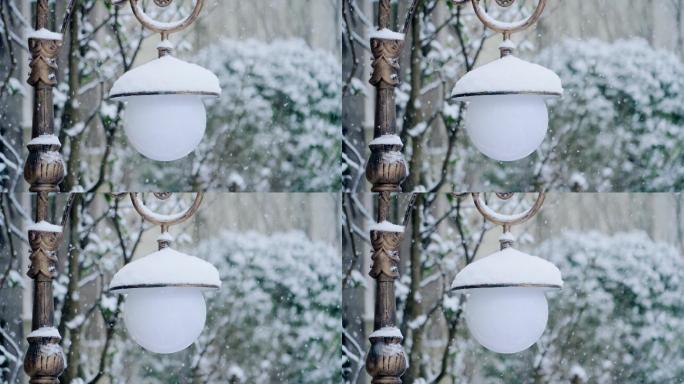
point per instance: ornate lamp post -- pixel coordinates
(507, 309)
(386, 170)
(44, 170)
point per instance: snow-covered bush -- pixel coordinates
(620, 125)
(275, 319)
(277, 124)
(618, 319)
(278, 120)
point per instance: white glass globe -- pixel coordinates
(507, 127)
(507, 320)
(165, 320)
(165, 127)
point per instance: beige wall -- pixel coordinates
(658, 21)
(315, 214)
(314, 21)
(657, 214)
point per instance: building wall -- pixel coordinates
(314, 21)
(314, 214)
(657, 214)
(657, 21)
(269, 20)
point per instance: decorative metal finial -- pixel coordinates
(507, 239)
(163, 3)
(505, 3)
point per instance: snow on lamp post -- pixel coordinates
(507, 117)
(165, 309)
(165, 118)
(386, 360)
(507, 311)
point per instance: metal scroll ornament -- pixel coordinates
(165, 28)
(43, 254)
(505, 3)
(163, 3)
(507, 221)
(507, 28)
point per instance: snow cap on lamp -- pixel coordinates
(166, 268)
(508, 75)
(166, 75)
(509, 268)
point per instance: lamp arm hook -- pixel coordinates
(507, 220)
(507, 28)
(165, 221)
(165, 28)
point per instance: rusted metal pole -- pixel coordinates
(44, 170)
(386, 361)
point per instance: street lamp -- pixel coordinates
(165, 118)
(165, 309)
(517, 90)
(507, 117)
(44, 170)
(507, 311)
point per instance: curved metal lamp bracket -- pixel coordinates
(164, 220)
(165, 28)
(507, 28)
(507, 220)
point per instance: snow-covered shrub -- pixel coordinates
(280, 304)
(275, 319)
(620, 125)
(618, 319)
(277, 124)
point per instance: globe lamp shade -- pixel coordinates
(164, 320)
(507, 117)
(506, 309)
(165, 127)
(165, 309)
(507, 320)
(165, 117)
